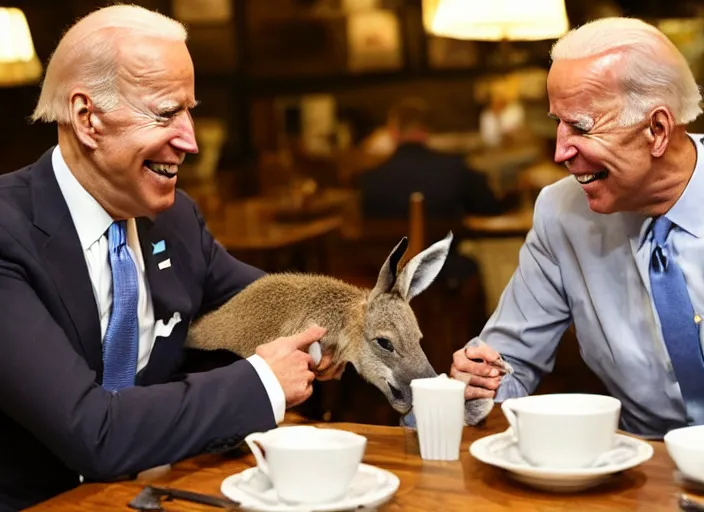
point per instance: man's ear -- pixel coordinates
(662, 125)
(84, 120)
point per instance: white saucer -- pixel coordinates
(370, 488)
(501, 450)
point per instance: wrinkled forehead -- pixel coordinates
(150, 66)
(584, 87)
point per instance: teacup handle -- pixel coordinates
(252, 441)
(510, 415)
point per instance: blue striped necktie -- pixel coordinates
(680, 330)
(122, 336)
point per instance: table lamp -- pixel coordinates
(496, 20)
(19, 64)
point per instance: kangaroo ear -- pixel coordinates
(389, 270)
(423, 268)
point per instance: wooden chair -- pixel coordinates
(416, 225)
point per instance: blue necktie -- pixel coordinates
(122, 336)
(677, 319)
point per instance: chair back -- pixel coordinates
(416, 224)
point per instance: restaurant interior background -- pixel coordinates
(294, 96)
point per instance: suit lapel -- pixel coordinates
(65, 262)
(162, 257)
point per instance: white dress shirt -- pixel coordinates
(92, 222)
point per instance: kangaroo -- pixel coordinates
(374, 330)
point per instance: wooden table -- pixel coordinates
(274, 235)
(461, 485)
(265, 223)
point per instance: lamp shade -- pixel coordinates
(496, 20)
(19, 64)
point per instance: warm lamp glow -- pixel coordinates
(19, 64)
(496, 20)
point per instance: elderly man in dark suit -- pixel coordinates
(103, 266)
(449, 187)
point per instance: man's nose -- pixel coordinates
(185, 140)
(564, 150)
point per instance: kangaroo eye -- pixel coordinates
(385, 344)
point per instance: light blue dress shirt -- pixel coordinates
(592, 269)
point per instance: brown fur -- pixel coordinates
(359, 321)
(282, 305)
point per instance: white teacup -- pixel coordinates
(685, 446)
(307, 464)
(438, 406)
(563, 430)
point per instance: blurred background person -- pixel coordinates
(449, 187)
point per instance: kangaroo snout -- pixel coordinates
(400, 386)
(393, 368)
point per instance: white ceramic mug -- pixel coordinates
(307, 464)
(564, 431)
(438, 407)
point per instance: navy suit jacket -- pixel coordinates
(56, 422)
(450, 189)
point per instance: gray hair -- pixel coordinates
(87, 56)
(649, 76)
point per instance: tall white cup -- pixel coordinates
(438, 406)
(563, 430)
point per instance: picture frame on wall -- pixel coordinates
(202, 11)
(210, 24)
(304, 46)
(445, 53)
(374, 41)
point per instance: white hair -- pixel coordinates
(653, 71)
(87, 56)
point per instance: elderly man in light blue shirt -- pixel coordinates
(618, 247)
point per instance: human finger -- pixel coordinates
(304, 339)
(471, 392)
(464, 364)
(325, 363)
(483, 352)
(484, 382)
(331, 373)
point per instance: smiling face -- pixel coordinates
(612, 163)
(140, 144)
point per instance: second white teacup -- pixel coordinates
(568, 430)
(307, 464)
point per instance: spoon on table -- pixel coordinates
(690, 504)
(150, 498)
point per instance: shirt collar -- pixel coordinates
(686, 212)
(90, 219)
